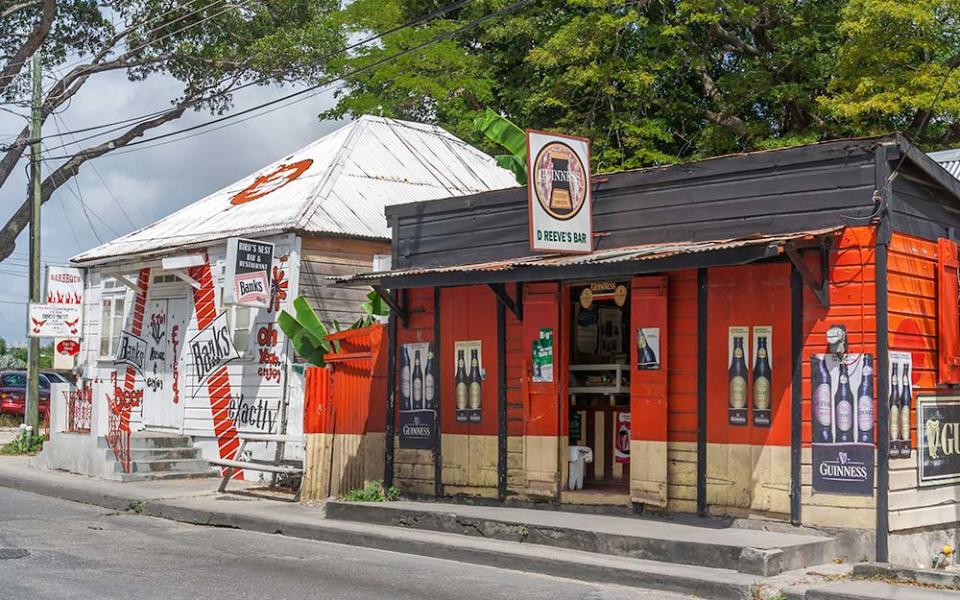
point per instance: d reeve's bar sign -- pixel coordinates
(558, 193)
(938, 439)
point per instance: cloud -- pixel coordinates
(146, 184)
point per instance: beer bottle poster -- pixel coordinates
(762, 389)
(842, 409)
(648, 348)
(468, 380)
(417, 396)
(901, 403)
(737, 374)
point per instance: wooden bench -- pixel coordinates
(265, 466)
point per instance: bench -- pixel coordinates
(265, 466)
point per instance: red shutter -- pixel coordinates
(948, 312)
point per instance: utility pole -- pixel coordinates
(32, 413)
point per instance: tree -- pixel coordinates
(655, 81)
(213, 47)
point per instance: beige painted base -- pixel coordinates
(746, 480)
(682, 477)
(469, 461)
(648, 472)
(594, 498)
(334, 465)
(833, 510)
(541, 456)
(413, 470)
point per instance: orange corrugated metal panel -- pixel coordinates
(316, 407)
(356, 380)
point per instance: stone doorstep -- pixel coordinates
(939, 577)
(875, 590)
(746, 551)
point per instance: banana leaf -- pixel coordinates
(503, 132)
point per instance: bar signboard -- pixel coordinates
(938, 439)
(559, 195)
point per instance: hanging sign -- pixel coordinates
(247, 280)
(68, 347)
(418, 408)
(210, 349)
(842, 428)
(558, 193)
(65, 354)
(54, 320)
(938, 439)
(64, 285)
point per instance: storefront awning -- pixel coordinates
(628, 260)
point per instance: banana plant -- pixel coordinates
(308, 333)
(503, 132)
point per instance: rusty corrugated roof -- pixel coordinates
(642, 252)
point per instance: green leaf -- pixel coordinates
(503, 132)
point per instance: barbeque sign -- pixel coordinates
(64, 285)
(558, 193)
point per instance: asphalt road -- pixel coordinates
(81, 552)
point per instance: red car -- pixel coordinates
(13, 385)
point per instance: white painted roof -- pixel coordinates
(355, 172)
(949, 160)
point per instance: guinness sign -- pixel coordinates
(938, 437)
(559, 195)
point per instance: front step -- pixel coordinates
(749, 551)
(158, 455)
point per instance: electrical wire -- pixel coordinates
(295, 97)
(411, 23)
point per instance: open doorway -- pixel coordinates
(599, 388)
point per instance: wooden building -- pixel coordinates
(755, 280)
(162, 288)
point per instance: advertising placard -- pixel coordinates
(762, 375)
(648, 348)
(738, 358)
(842, 406)
(901, 403)
(132, 351)
(247, 279)
(468, 379)
(64, 285)
(54, 320)
(938, 439)
(210, 349)
(417, 396)
(559, 195)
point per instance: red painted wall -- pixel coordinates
(682, 356)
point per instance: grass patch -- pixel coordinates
(373, 492)
(11, 420)
(26, 442)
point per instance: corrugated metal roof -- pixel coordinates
(599, 257)
(355, 172)
(949, 160)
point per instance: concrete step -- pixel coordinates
(163, 475)
(754, 552)
(194, 465)
(873, 590)
(164, 453)
(146, 439)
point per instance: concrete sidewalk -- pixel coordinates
(197, 502)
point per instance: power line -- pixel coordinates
(318, 88)
(411, 23)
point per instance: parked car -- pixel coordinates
(13, 393)
(55, 377)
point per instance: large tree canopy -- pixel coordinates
(654, 81)
(211, 46)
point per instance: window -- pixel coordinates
(239, 323)
(15, 380)
(111, 323)
(165, 278)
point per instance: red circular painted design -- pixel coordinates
(271, 182)
(68, 348)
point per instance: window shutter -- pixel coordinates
(948, 312)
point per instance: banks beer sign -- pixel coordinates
(938, 439)
(247, 280)
(559, 195)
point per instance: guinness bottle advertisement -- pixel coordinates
(417, 396)
(468, 379)
(901, 404)
(737, 375)
(842, 413)
(938, 439)
(762, 394)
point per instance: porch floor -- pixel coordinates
(705, 543)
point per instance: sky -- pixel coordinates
(148, 184)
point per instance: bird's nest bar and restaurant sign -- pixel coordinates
(669, 328)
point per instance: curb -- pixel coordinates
(569, 564)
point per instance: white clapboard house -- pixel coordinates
(323, 208)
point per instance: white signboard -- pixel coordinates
(247, 280)
(64, 285)
(210, 349)
(559, 195)
(54, 320)
(131, 351)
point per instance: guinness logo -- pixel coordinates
(559, 181)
